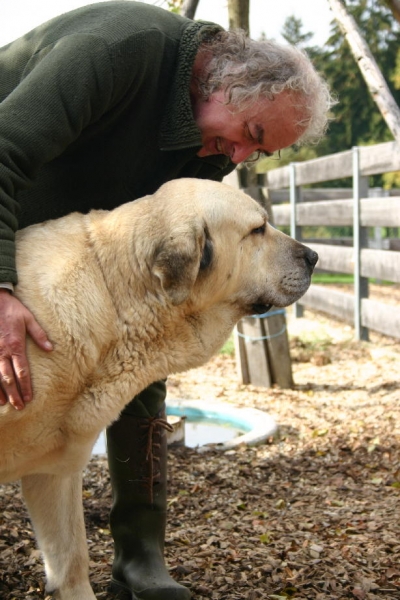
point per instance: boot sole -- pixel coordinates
(120, 592)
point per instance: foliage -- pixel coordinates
(288, 155)
(174, 5)
(391, 180)
(292, 32)
(356, 118)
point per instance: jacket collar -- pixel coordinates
(178, 127)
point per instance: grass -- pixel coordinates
(342, 278)
(229, 347)
(332, 278)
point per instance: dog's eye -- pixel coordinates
(259, 230)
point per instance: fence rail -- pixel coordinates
(360, 212)
(375, 212)
(374, 160)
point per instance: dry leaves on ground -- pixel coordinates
(313, 514)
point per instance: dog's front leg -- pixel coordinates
(55, 507)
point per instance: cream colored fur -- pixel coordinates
(127, 297)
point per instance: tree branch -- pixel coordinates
(394, 6)
(368, 67)
(189, 8)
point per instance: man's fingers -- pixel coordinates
(23, 377)
(3, 398)
(8, 383)
(15, 322)
(38, 334)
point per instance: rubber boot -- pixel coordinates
(137, 457)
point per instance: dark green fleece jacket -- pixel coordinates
(94, 112)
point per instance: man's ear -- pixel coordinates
(176, 262)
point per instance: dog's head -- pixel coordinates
(213, 244)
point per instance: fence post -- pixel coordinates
(360, 240)
(295, 230)
(261, 342)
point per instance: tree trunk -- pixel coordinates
(189, 8)
(238, 11)
(369, 68)
(394, 6)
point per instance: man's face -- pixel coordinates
(266, 126)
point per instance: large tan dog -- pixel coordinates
(128, 297)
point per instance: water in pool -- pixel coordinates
(198, 432)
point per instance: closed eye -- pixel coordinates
(259, 139)
(259, 230)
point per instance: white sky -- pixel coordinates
(19, 16)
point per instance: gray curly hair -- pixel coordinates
(248, 70)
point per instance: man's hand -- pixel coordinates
(15, 322)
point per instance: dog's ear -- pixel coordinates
(177, 261)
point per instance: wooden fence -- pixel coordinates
(361, 212)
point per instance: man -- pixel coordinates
(98, 107)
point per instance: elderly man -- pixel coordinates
(100, 106)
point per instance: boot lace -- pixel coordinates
(156, 426)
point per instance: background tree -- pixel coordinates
(394, 6)
(372, 75)
(238, 12)
(293, 34)
(189, 8)
(357, 120)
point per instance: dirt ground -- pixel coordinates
(312, 514)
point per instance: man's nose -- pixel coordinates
(241, 152)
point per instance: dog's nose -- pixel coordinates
(310, 257)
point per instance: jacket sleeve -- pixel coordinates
(65, 88)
